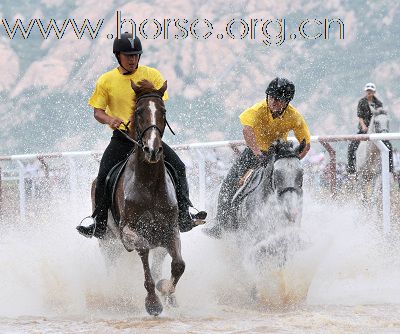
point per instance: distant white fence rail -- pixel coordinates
(206, 163)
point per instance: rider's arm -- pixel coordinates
(250, 138)
(101, 116)
(362, 113)
(364, 128)
(304, 152)
(301, 133)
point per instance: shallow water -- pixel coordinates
(55, 281)
(305, 319)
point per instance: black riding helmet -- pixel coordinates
(127, 45)
(281, 89)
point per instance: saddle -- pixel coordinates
(111, 185)
(247, 184)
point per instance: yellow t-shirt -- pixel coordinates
(114, 94)
(268, 129)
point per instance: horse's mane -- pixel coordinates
(284, 149)
(145, 87)
(279, 149)
(379, 111)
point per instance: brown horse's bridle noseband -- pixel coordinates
(140, 134)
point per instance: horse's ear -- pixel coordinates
(163, 88)
(134, 87)
(301, 147)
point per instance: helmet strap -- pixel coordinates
(119, 62)
(279, 113)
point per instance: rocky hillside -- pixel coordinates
(46, 80)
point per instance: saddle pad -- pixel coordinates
(245, 177)
(249, 185)
(111, 185)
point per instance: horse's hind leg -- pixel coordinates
(152, 303)
(167, 287)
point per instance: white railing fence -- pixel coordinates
(28, 182)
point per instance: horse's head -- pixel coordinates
(287, 178)
(149, 119)
(379, 121)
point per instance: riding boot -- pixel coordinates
(225, 220)
(98, 228)
(185, 219)
(182, 190)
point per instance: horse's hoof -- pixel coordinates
(153, 305)
(164, 286)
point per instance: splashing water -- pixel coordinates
(50, 271)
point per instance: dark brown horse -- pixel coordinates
(145, 197)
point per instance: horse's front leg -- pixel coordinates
(130, 238)
(152, 303)
(167, 287)
(159, 255)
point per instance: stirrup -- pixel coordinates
(200, 215)
(198, 218)
(93, 230)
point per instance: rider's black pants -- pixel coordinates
(117, 150)
(230, 185)
(351, 155)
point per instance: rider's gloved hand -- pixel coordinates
(115, 122)
(263, 159)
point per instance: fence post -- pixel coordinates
(202, 179)
(385, 184)
(21, 187)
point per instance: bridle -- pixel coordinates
(141, 133)
(280, 192)
(376, 125)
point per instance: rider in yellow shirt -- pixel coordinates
(263, 123)
(112, 102)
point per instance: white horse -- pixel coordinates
(368, 156)
(269, 222)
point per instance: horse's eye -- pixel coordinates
(138, 112)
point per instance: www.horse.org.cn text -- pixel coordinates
(269, 31)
